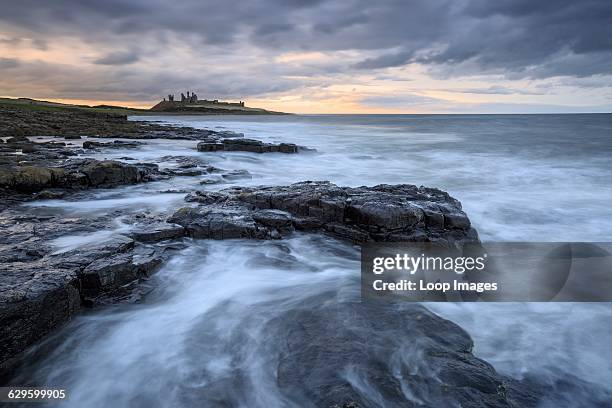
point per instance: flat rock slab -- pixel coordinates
(245, 145)
(117, 144)
(74, 174)
(157, 232)
(39, 294)
(394, 213)
(338, 353)
(73, 123)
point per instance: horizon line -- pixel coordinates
(93, 103)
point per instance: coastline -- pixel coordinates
(40, 105)
(117, 270)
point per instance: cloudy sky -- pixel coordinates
(315, 56)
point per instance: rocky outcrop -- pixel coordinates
(324, 353)
(116, 144)
(398, 213)
(75, 122)
(331, 356)
(338, 354)
(117, 269)
(43, 283)
(150, 130)
(329, 351)
(74, 174)
(41, 290)
(29, 166)
(246, 145)
(155, 232)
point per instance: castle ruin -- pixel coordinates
(190, 100)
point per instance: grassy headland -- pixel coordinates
(38, 105)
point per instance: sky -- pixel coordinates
(314, 56)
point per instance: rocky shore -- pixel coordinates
(215, 144)
(50, 287)
(41, 287)
(398, 213)
(28, 166)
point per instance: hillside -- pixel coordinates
(159, 109)
(38, 105)
(211, 108)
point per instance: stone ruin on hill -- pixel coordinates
(192, 99)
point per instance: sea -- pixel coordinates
(540, 178)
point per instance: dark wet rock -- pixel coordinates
(209, 146)
(279, 220)
(185, 162)
(72, 137)
(50, 194)
(188, 166)
(212, 180)
(157, 232)
(18, 139)
(174, 191)
(150, 130)
(110, 172)
(117, 144)
(189, 172)
(34, 299)
(185, 172)
(40, 291)
(41, 288)
(331, 352)
(109, 273)
(330, 356)
(338, 353)
(74, 122)
(60, 122)
(50, 166)
(237, 174)
(33, 152)
(245, 145)
(220, 222)
(24, 145)
(398, 213)
(74, 174)
(257, 146)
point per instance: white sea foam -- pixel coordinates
(518, 179)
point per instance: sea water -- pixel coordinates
(519, 178)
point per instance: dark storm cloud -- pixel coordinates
(511, 35)
(273, 28)
(386, 60)
(512, 38)
(118, 82)
(118, 58)
(534, 38)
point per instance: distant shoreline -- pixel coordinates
(35, 104)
